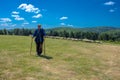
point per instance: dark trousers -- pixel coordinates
(39, 46)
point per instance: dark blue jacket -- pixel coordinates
(39, 35)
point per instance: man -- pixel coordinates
(39, 35)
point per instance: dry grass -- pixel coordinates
(70, 60)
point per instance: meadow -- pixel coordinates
(64, 60)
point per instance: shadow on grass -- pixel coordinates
(46, 57)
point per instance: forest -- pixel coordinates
(105, 33)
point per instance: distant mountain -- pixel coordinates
(93, 29)
(100, 29)
(68, 29)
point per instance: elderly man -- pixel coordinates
(39, 35)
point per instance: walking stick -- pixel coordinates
(31, 45)
(44, 47)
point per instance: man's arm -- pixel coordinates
(34, 34)
(44, 34)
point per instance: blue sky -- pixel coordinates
(56, 13)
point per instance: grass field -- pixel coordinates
(65, 60)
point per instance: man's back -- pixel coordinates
(39, 35)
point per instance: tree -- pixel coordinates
(1, 32)
(71, 35)
(66, 34)
(5, 32)
(104, 36)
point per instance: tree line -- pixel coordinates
(22, 32)
(106, 36)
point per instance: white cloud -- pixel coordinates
(111, 10)
(22, 25)
(34, 21)
(25, 23)
(63, 18)
(15, 12)
(62, 24)
(15, 16)
(5, 20)
(19, 18)
(13, 25)
(4, 24)
(109, 3)
(37, 16)
(70, 25)
(29, 8)
(44, 10)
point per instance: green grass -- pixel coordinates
(67, 60)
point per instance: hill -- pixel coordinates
(64, 60)
(59, 29)
(101, 29)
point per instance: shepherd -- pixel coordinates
(39, 35)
